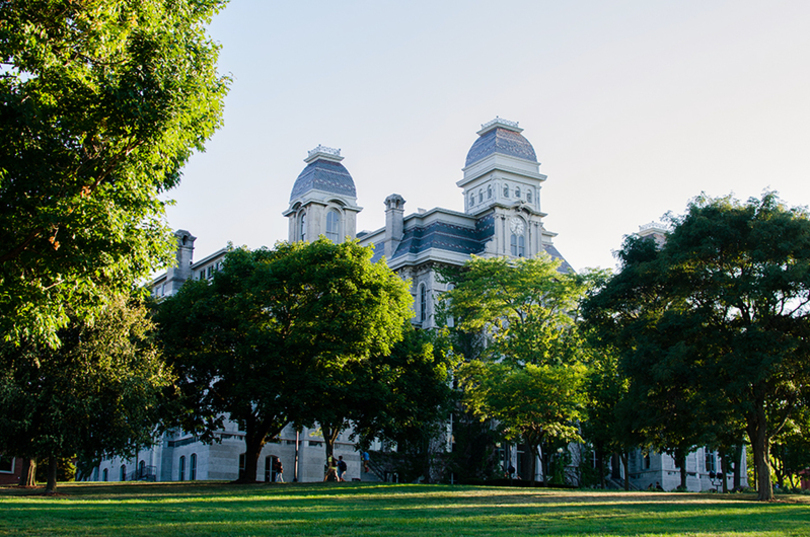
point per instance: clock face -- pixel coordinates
(516, 225)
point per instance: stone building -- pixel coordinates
(501, 186)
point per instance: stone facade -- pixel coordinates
(501, 187)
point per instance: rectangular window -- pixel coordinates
(6, 464)
(711, 461)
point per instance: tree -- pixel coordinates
(723, 302)
(606, 389)
(96, 395)
(103, 103)
(531, 375)
(266, 342)
(406, 398)
(533, 404)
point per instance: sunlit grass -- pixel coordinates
(178, 509)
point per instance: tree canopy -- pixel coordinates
(530, 374)
(264, 341)
(718, 313)
(96, 395)
(103, 103)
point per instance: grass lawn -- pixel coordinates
(176, 509)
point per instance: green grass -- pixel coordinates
(178, 509)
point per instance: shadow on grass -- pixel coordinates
(357, 509)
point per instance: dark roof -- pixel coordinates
(455, 238)
(555, 254)
(325, 175)
(501, 141)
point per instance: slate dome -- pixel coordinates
(503, 137)
(324, 172)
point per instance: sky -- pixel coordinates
(633, 108)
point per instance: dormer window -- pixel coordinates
(472, 200)
(505, 191)
(529, 196)
(303, 223)
(480, 195)
(489, 192)
(517, 192)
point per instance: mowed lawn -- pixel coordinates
(176, 509)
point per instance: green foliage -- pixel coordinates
(66, 470)
(530, 375)
(103, 103)
(532, 403)
(96, 395)
(405, 398)
(525, 308)
(276, 336)
(712, 326)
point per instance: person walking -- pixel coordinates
(331, 469)
(341, 469)
(279, 470)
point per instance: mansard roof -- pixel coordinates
(326, 175)
(502, 137)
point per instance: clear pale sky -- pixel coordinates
(633, 108)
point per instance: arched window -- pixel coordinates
(529, 196)
(303, 224)
(192, 471)
(472, 199)
(141, 470)
(480, 195)
(104, 475)
(422, 303)
(333, 225)
(489, 192)
(182, 476)
(518, 245)
(517, 192)
(505, 191)
(123, 472)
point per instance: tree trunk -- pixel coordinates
(626, 464)
(254, 442)
(330, 434)
(53, 464)
(758, 434)
(29, 473)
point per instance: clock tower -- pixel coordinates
(501, 186)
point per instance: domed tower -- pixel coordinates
(501, 188)
(323, 199)
(502, 168)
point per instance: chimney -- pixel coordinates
(394, 211)
(176, 276)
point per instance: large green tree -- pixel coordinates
(530, 374)
(406, 397)
(98, 394)
(270, 339)
(720, 311)
(103, 103)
